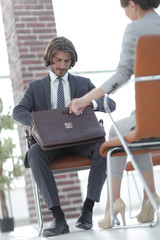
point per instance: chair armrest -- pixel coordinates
(147, 78)
(29, 138)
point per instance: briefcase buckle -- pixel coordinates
(68, 125)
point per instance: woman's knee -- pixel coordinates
(144, 161)
(112, 132)
(124, 125)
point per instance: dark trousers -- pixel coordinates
(39, 162)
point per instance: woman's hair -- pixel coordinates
(144, 4)
(57, 44)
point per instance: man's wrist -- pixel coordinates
(91, 104)
(94, 104)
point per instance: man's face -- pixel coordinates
(61, 62)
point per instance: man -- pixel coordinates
(42, 94)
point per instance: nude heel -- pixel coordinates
(118, 207)
(147, 212)
(122, 212)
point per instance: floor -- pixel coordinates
(30, 233)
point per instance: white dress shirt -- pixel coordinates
(54, 87)
(66, 87)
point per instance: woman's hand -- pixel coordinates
(77, 105)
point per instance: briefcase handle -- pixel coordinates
(65, 110)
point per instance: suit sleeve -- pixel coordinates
(22, 112)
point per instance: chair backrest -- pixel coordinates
(147, 93)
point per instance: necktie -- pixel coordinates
(60, 94)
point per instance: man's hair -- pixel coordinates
(57, 44)
(144, 4)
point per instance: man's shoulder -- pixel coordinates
(78, 78)
(39, 80)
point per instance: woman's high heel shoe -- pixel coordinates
(118, 207)
(147, 211)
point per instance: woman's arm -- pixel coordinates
(77, 105)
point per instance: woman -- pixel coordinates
(144, 21)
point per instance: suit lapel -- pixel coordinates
(46, 87)
(72, 84)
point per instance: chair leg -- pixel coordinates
(37, 204)
(110, 187)
(150, 196)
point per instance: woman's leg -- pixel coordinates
(147, 211)
(149, 178)
(118, 163)
(144, 162)
(116, 186)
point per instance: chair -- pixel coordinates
(129, 169)
(145, 137)
(59, 165)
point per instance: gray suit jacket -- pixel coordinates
(37, 97)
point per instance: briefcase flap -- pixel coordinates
(56, 128)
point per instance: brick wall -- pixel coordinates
(69, 193)
(29, 25)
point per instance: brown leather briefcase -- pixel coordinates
(56, 128)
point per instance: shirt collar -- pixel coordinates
(54, 77)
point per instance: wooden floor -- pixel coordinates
(30, 233)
